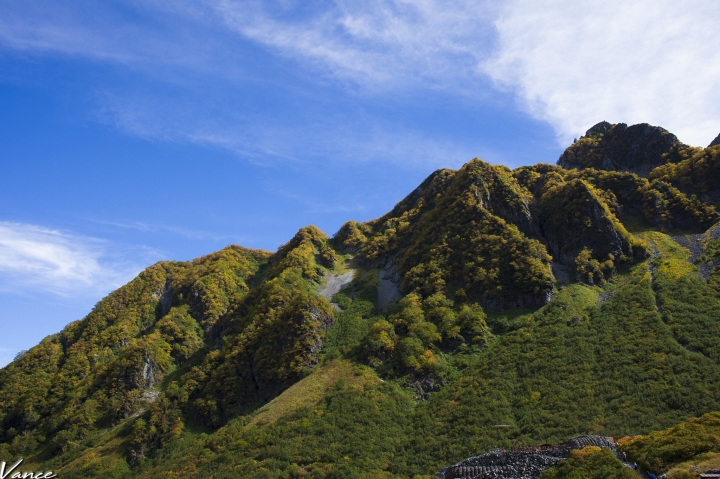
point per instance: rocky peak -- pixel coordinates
(599, 129)
(637, 148)
(715, 142)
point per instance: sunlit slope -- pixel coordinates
(575, 366)
(679, 451)
(547, 300)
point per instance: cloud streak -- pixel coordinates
(63, 264)
(376, 44)
(335, 136)
(568, 63)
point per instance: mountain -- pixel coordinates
(715, 142)
(637, 148)
(556, 300)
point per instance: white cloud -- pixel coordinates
(574, 63)
(64, 264)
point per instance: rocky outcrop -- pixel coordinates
(697, 245)
(520, 463)
(166, 300)
(496, 193)
(637, 148)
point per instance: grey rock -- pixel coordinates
(334, 283)
(389, 287)
(520, 463)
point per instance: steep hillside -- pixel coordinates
(550, 300)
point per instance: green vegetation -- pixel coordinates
(579, 225)
(696, 439)
(461, 235)
(712, 251)
(698, 174)
(590, 463)
(232, 366)
(352, 235)
(637, 148)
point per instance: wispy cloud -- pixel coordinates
(376, 44)
(574, 63)
(569, 63)
(175, 230)
(156, 37)
(392, 46)
(64, 264)
(351, 136)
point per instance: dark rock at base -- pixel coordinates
(522, 463)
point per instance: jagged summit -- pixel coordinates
(636, 149)
(716, 141)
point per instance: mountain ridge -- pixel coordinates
(179, 362)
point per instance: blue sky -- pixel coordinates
(132, 132)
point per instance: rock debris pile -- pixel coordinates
(504, 465)
(527, 463)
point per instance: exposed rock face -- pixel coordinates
(166, 299)
(523, 463)
(334, 283)
(389, 287)
(697, 244)
(502, 198)
(716, 141)
(637, 148)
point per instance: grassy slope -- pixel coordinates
(575, 366)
